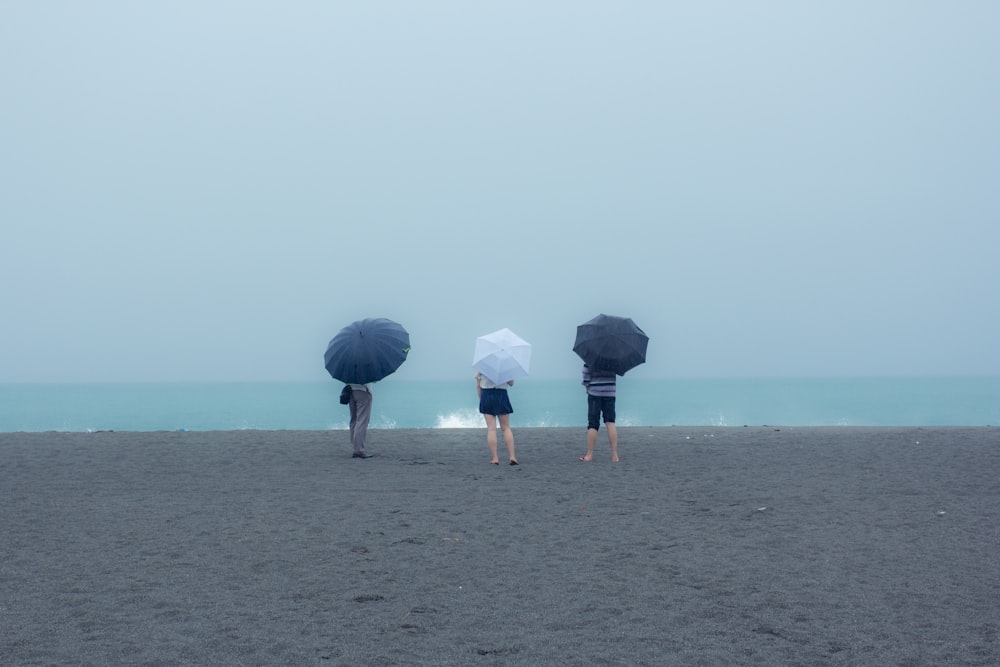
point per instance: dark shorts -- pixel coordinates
(596, 405)
(495, 402)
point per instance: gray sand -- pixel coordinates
(704, 546)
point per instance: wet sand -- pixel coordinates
(703, 546)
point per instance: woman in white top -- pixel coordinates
(494, 405)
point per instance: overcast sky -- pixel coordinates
(210, 190)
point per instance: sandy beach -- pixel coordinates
(703, 546)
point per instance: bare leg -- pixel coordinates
(613, 439)
(591, 441)
(491, 436)
(508, 437)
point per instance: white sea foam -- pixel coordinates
(383, 421)
(544, 421)
(625, 420)
(460, 419)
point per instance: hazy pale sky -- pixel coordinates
(211, 190)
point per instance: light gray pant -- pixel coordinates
(361, 413)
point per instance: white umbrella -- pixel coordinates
(502, 356)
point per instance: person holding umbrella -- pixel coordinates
(609, 346)
(364, 352)
(601, 387)
(499, 358)
(494, 405)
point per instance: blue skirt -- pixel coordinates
(494, 402)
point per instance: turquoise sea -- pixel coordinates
(968, 401)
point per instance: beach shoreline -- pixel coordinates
(756, 545)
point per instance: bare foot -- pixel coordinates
(495, 462)
(614, 459)
(586, 457)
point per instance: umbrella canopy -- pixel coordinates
(502, 356)
(367, 351)
(609, 343)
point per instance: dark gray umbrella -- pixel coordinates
(367, 351)
(609, 343)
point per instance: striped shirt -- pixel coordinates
(599, 383)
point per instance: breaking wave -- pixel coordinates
(460, 419)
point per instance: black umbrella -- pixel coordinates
(367, 351)
(609, 343)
